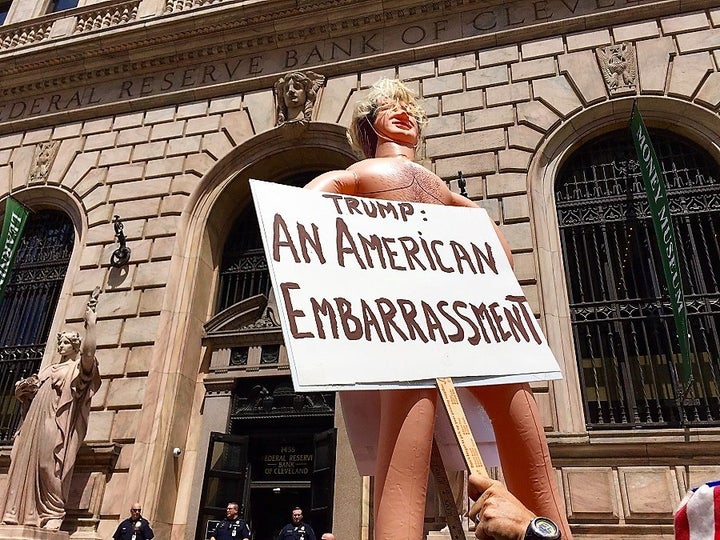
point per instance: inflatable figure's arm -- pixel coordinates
(344, 182)
(459, 200)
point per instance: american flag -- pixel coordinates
(698, 517)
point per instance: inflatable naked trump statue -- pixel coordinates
(386, 130)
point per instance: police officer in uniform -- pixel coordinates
(297, 530)
(232, 527)
(135, 527)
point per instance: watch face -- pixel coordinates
(544, 528)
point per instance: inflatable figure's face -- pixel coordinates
(394, 122)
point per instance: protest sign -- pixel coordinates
(385, 294)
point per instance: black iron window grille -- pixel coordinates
(623, 329)
(27, 311)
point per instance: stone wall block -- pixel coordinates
(506, 184)
(203, 124)
(501, 55)
(148, 151)
(636, 31)
(191, 110)
(523, 137)
(10, 141)
(334, 96)
(510, 93)
(684, 23)
(709, 93)
(99, 425)
(109, 333)
(151, 301)
(588, 40)
(687, 72)
(515, 209)
(165, 167)
(142, 208)
(37, 136)
(216, 144)
(125, 425)
(237, 126)
(537, 115)
(162, 248)
(698, 475)
(5, 156)
(119, 304)
(115, 493)
(126, 172)
(590, 494)
(80, 168)
(443, 84)
(141, 330)
(703, 40)
(583, 71)
(481, 141)
(371, 76)
(99, 141)
(226, 104)
(67, 131)
(558, 94)
(98, 400)
(112, 361)
(140, 360)
(97, 125)
(156, 116)
(131, 120)
(130, 191)
(462, 101)
(173, 205)
(461, 62)
(115, 156)
(472, 165)
(524, 263)
(490, 118)
(64, 158)
(90, 256)
(22, 160)
(653, 60)
(199, 164)
(443, 125)
(532, 69)
(135, 135)
(162, 226)
(542, 47)
(259, 106)
(476, 189)
(125, 393)
(490, 76)
(518, 236)
(649, 494)
(97, 197)
(152, 274)
(346, 113)
(101, 234)
(101, 214)
(167, 130)
(514, 160)
(184, 184)
(5, 174)
(87, 280)
(184, 145)
(416, 70)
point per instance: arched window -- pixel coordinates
(623, 329)
(244, 271)
(28, 308)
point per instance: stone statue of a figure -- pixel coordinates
(57, 405)
(295, 95)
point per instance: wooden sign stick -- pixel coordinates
(460, 426)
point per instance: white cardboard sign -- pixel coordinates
(386, 294)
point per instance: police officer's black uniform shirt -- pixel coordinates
(126, 529)
(232, 529)
(301, 531)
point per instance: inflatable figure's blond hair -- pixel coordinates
(361, 133)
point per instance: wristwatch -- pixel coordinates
(542, 528)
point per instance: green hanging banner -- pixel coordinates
(664, 232)
(13, 225)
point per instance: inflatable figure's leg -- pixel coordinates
(523, 449)
(407, 420)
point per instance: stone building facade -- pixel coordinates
(159, 111)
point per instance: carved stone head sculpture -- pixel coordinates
(295, 96)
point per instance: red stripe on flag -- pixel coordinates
(682, 525)
(716, 507)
